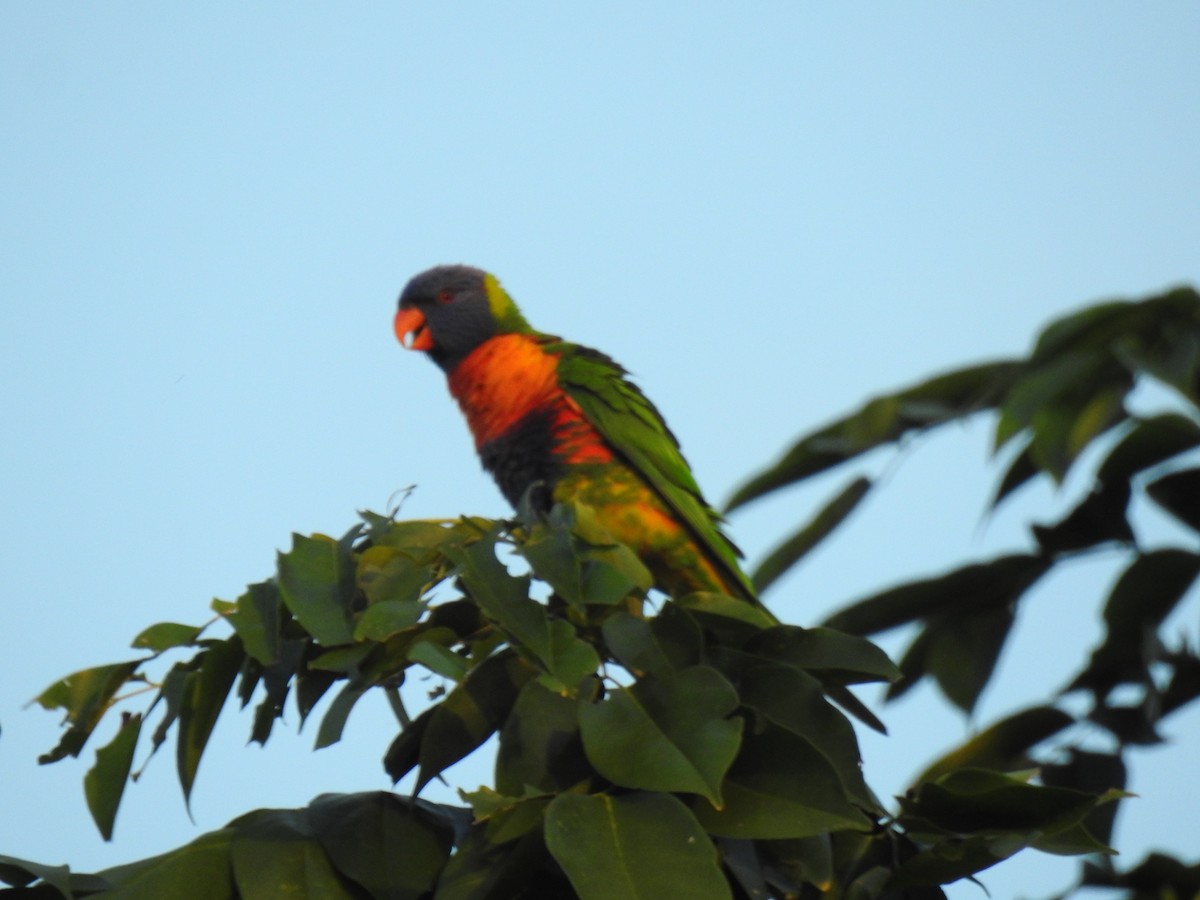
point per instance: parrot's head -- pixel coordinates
(448, 311)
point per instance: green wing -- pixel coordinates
(631, 424)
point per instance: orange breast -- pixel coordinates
(509, 377)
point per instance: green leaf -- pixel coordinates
(666, 733)
(883, 420)
(166, 635)
(633, 846)
(467, 717)
(22, 872)
(484, 866)
(345, 660)
(424, 540)
(276, 854)
(200, 870)
(572, 552)
(312, 585)
(311, 685)
(506, 601)
(780, 786)
(794, 701)
(975, 587)
(796, 547)
(256, 619)
(439, 659)
(277, 680)
(204, 694)
(1093, 327)
(334, 720)
(824, 650)
(381, 620)
(85, 695)
(392, 848)
(1167, 346)
(540, 746)
(725, 615)
(671, 640)
(1065, 401)
(104, 783)
(389, 574)
(503, 598)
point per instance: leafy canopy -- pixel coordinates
(655, 746)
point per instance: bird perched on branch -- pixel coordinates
(562, 422)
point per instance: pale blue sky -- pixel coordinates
(766, 211)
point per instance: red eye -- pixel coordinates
(445, 296)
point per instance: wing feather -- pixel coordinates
(635, 429)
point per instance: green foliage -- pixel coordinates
(1069, 396)
(691, 746)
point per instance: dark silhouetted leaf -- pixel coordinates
(1148, 443)
(1145, 594)
(1097, 519)
(962, 652)
(1158, 875)
(1094, 773)
(799, 544)
(1004, 745)
(883, 420)
(967, 590)
(1019, 471)
(634, 846)
(972, 801)
(1179, 494)
(1131, 724)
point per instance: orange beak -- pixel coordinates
(412, 330)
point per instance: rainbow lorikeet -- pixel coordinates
(562, 421)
